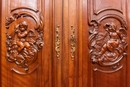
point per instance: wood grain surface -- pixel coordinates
(85, 43)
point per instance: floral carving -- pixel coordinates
(23, 43)
(107, 48)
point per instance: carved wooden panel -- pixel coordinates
(103, 5)
(34, 5)
(107, 35)
(24, 36)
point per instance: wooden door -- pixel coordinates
(26, 43)
(64, 43)
(105, 43)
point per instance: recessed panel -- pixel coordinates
(24, 3)
(102, 5)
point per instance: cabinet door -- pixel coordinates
(57, 43)
(70, 48)
(105, 43)
(25, 52)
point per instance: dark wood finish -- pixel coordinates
(0, 39)
(38, 73)
(100, 14)
(128, 40)
(84, 43)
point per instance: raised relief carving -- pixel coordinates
(107, 35)
(23, 42)
(57, 42)
(73, 42)
(107, 47)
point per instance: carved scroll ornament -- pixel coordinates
(107, 48)
(23, 43)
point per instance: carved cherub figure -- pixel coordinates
(114, 40)
(22, 32)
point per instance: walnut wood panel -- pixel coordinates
(27, 16)
(65, 60)
(103, 5)
(85, 43)
(79, 45)
(86, 63)
(0, 39)
(69, 64)
(56, 60)
(73, 62)
(24, 42)
(35, 4)
(100, 14)
(128, 39)
(114, 28)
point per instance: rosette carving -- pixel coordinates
(23, 42)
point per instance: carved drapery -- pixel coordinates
(23, 42)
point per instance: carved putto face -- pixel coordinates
(23, 26)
